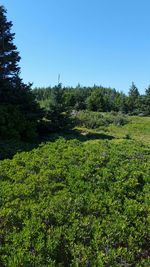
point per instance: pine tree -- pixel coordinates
(18, 110)
(147, 101)
(134, 92)
(58, 111)
(9, 57)
(133, 99)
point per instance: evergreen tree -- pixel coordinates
(18, 110)
(95, 102)
(58, 112)
(147, 101)
(134, 92)
(148, 92)
(133, 99)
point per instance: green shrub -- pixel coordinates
(14, 125)
(69, 203)
(93, 120)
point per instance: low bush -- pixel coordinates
(93, 120)
(69, 203)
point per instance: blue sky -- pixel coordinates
(106, 42)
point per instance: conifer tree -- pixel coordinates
(9, 57)
(58, 111)
(147, 101)
(18, 110)
(133, 99)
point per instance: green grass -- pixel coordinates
(138, 129)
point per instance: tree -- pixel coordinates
(146, 101)
(122, 102)
(19, 112)
(133, 99)
(134, 92)
(9, 57)
(57, 111)
(95, 101)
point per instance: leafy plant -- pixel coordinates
(69, 203)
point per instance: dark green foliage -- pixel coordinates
(9, 57)
(95, 102)
(145, 102)
(56, 112)
(18, 110)
(97, 98)
(133, 100)
(74, 204)
(8, 148)
(15, 125)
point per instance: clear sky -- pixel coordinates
(106, 42)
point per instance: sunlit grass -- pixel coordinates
(137, 129)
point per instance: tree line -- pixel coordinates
(23, 111)
(97, 98)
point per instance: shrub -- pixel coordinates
(95, 120)
(73, 204)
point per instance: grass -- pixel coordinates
(137, 129)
